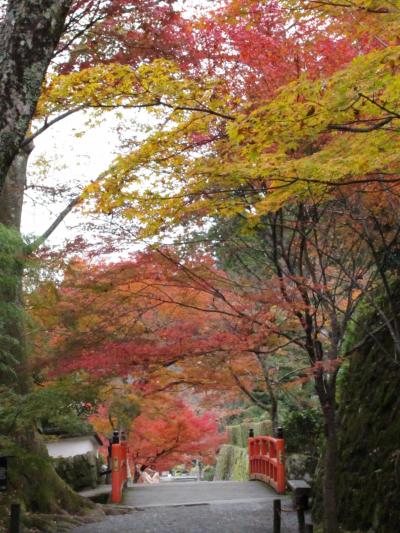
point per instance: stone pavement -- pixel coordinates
(195, 492)
(197, 507)
(101, 490)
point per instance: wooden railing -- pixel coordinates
(267, 461)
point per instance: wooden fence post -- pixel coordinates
(301, 519)
(277, 516)
(15, 518)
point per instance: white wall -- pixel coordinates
(72, 446)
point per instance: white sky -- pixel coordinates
(71, 161)
(77, 160)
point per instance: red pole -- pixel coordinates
(124, 450)
(116, 462)
(281, 478)
(251, 448)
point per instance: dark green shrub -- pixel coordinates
(302, 430)
(208, 473)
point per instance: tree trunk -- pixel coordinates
(11, 200)
(29, 34)
(274, 413)
(330, 519)
(274, 402)
(46, 492)
(12, 194)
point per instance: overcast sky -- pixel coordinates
(72, 161)
(75, 161)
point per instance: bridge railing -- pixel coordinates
(119, 473)
(267, 461)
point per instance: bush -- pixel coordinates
(208, 473)
(239, 434)
(232, 464)
(302, 430)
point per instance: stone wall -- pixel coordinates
(80, 471)
(369, 438)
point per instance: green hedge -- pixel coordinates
(232, 464)
(238, 435)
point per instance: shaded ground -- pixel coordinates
(193, 507)
(206, 518)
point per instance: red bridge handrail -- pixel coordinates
(119, 474)
(267, 461)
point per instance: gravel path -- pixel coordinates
(197, 518)
(194, 492)
(197, 507)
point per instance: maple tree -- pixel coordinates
(129, 32)
(31, 35)
(167, 432)
(295, 145)
(135, 352)
(173, 324)
(176, 437)
(36, 48)
(257, 48)
(283, 156)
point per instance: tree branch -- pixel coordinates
(352, 129)
(40, 240)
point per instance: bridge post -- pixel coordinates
(281, 478)
(277, 516)
(250, 451)
(117, 466)
(124, 445)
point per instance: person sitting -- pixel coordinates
(149, 476)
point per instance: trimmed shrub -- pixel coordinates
(238, 434)
(232, 464)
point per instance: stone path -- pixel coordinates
(101, 490)
(197, 507)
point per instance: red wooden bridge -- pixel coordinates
(201, 506)
(266, 463)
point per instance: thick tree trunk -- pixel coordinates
(46, 493)
(29, 34)
(330, 519)
(11, 200)
(12, 194)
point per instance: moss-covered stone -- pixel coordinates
(80, 471)
(301, 466)
(34, 484)
(369, 439)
